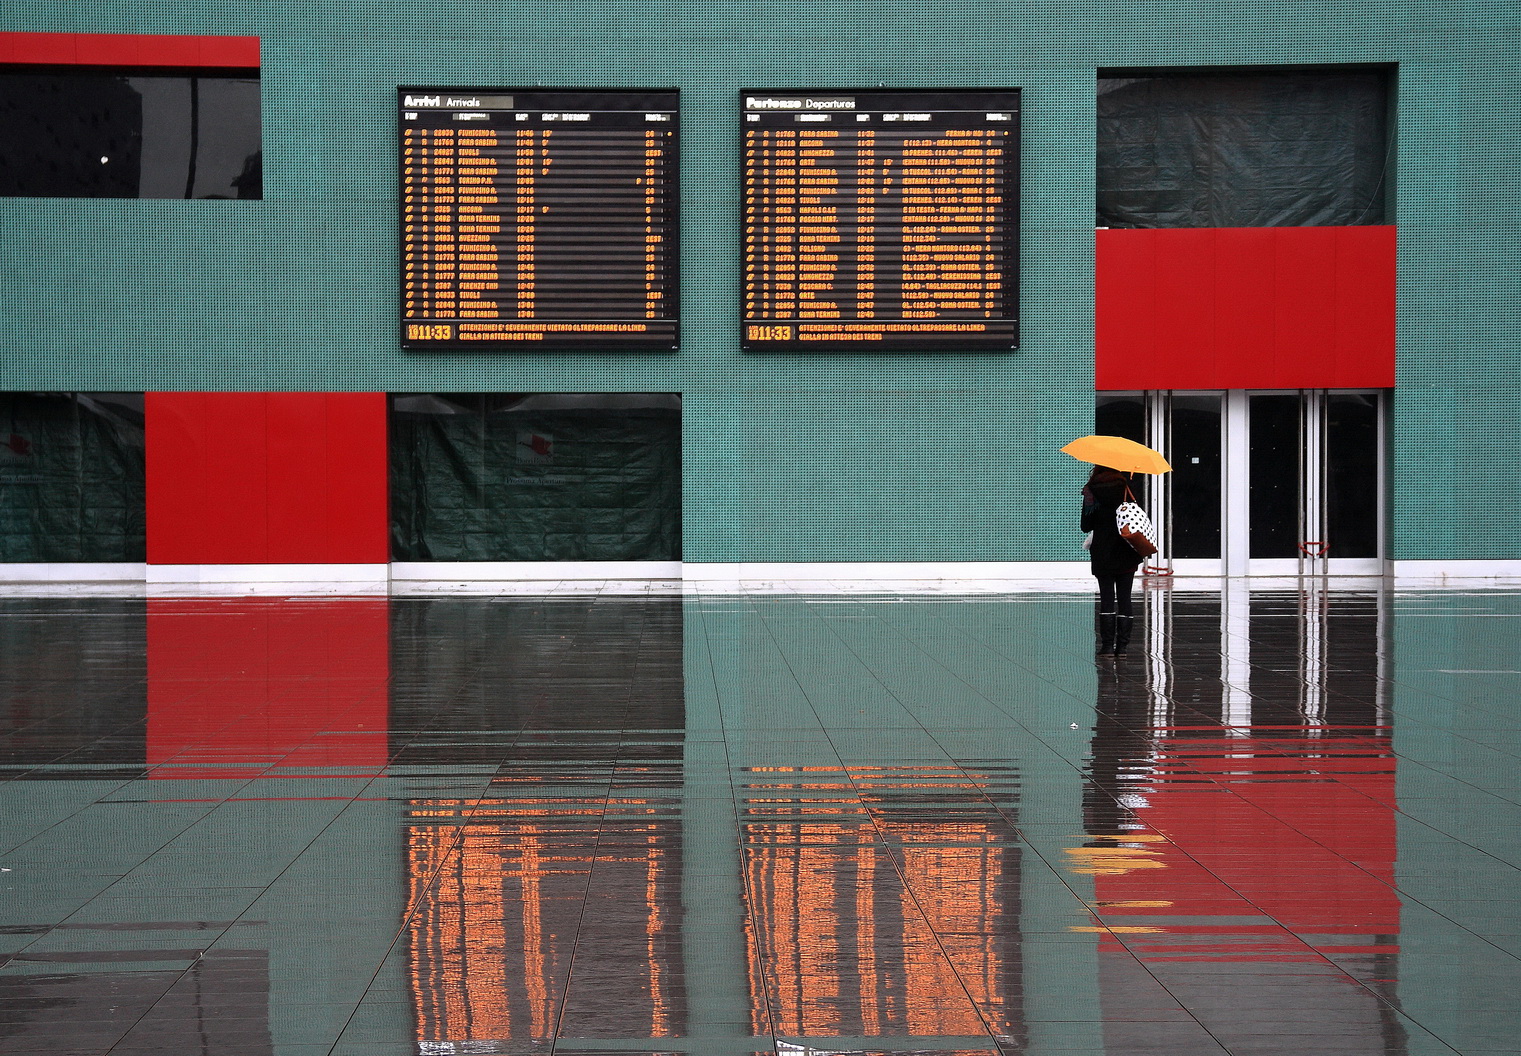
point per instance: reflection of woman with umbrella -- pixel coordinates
(1112, 559)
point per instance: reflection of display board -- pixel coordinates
(881, 220)
(538, 219)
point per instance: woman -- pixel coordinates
(1111, 558)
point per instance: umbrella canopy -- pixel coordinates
(1116, 452)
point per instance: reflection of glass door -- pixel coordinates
(1263, 483)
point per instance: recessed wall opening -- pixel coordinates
(535, 476)
(72, 478)
(1293, 147)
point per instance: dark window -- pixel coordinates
(1243, 150)
(68, 133)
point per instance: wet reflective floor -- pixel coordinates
(1286, 824)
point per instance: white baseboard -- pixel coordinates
(179, 580)
(72, 572)
(531, 571)
(896, 577)
(700, 577)
(1456, 573)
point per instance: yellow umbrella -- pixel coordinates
(1116, 452)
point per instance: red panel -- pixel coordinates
(1368, 321)
(1178, 267)
(359, 509)
(267, 687)
(256, 478)
(297, 457)
(128, 49)
(1245, 291)
(235, 491)
(1245, 308)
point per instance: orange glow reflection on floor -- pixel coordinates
(499, 910)
(867, 925)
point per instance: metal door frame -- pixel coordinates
(1235, 490)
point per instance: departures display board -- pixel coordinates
(536, 218)
(881, 220)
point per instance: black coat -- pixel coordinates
(1110, 555)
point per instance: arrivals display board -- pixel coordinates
(537, 218)
(881, 220)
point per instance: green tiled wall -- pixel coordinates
(787, 458)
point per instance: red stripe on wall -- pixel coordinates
(266, 478)
(128, 49)
(1245, 308)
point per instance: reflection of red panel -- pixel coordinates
(1240, 308)
(249, 477)
(235, 688)
(1299, 830)
(129, 49)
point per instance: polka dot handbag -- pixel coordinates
(1135, 528)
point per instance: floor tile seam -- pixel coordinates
(1407, 760)
(960, 677)
(408, 917)
(903, 634)
(12, 849)
(769, 973)
(1181, 762)
(148, 1010)
(979, 693)
(1286, 825)
(1426, 692)
(141, 862)
(1283, 825)
(1390, 709)
(1060, 876)
(924, 919)
(1381, 1001)
(1008, 813)
(1004, 656)
(868, 668)
(63, 760)
(753, 957)
(580, 928)
(1395, 890)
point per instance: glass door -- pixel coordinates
(1283, 483)
(1314, 485)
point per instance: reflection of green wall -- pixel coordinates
(827, 457)
(799, 683)
(1459, 846)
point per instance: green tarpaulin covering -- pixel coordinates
(568, 477)
(1243, 150)
(71, 477)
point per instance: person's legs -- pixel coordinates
(1106, 610)
(1124, 613)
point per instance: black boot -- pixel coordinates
(1123, 625)
(1106, 634)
